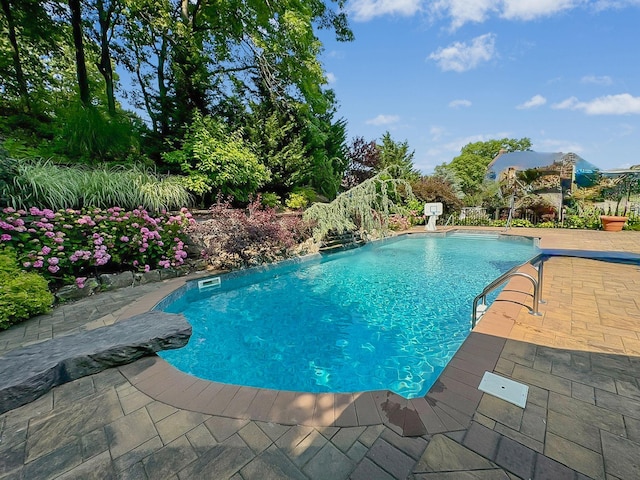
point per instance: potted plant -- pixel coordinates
(620, 185)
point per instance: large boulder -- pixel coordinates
(29, 372)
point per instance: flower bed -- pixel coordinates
(69, 245)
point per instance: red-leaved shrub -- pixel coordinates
(238, 238)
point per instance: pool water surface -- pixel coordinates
(386, 316)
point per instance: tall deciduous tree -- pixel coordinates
(78, 43)
(471, 165)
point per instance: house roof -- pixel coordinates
(525, 160)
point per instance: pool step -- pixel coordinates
(341, 241)
(477, 236)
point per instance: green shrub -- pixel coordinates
(546, 225)
(270, 199)
(297, 201)
(22, 295)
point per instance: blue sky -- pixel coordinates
(443, 73)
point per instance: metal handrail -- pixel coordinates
(514, 272)
(448, 220)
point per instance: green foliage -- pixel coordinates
(471, 165)
(297, 201)
(270, 199)
(547, 225)
(91, 135)
(397, 155)
(58, 187)
(217, 160)
(365, 207)
(633, 222)
(22, 295)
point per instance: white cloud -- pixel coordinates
(461, 57)
(459, 103)
(383, 120)
(365, 10)
(461, 12)
(532, 9)
(603, 80)
(331, 78)
(555, 145)
(535, 101)
(621, 104)
(437, 133)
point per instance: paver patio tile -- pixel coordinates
(600, 417)
(329, 463)
(370, 435)
(273, 430)
(493, 474)
(357, 452)
(584, 393)
(134, 401)
(221, 462)
(501, 411)
(201, 439)
(445, 455)
(60, 426)
(54, 463)
(548, 469)
(578, 431)
(346, 437)
(96, 468)
(367, 470)
(392, 460)
(178, 423)
(135, 456)
(586, 377)
(633, 429)
(543, 380)
(158, 410)
(65, 394)
(525, 440)
(12, 457)
(616, 403)
(574, 456)
(516, 458)
(222, 428)
(482, 440)
(257, 440)
(412, 446)
(306, 449)
(129, 432)
(94, 443)
(271, 464)
(620, 456)
(170, 459)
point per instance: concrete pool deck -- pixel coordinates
(580, 360)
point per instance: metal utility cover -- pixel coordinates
(504, 388)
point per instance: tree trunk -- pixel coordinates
(17, 64)
(104, 66)
(81, 66)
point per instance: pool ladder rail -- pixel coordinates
(479, 309)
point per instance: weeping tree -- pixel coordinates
(366, 207)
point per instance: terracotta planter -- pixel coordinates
(612, 223)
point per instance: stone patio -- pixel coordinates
(580, 360)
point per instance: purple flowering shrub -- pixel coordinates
(71, 244)
(238, 238)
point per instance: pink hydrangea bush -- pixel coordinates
(68, 245)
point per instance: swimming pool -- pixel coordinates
(389, 315)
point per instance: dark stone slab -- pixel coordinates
(29, 372)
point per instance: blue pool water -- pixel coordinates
(389, 315)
